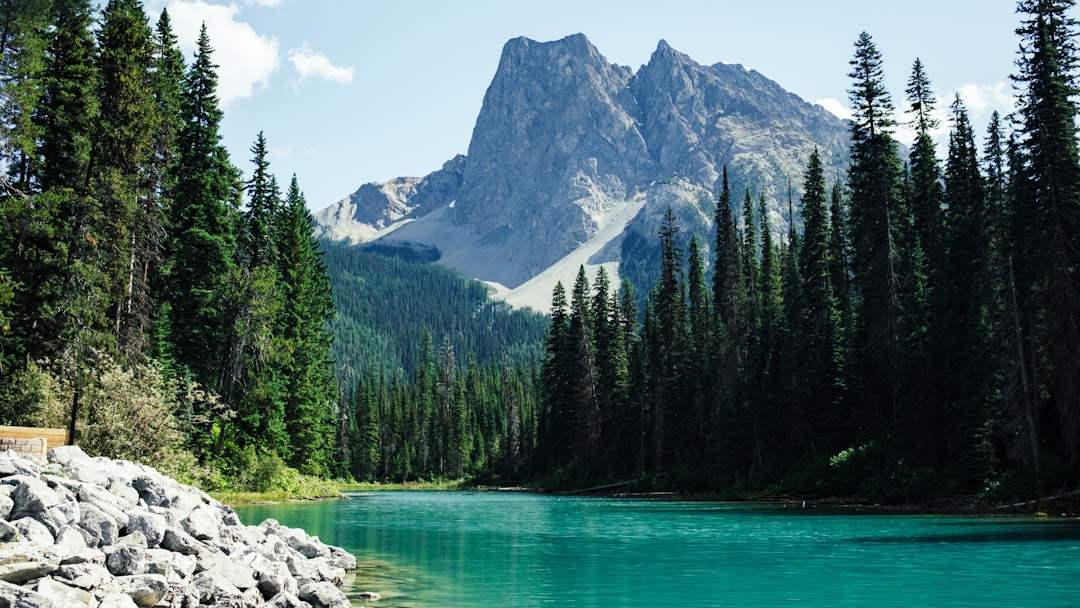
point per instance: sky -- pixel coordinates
(348, 92)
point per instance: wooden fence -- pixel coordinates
(31, 439)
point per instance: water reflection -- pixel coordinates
(490, 549)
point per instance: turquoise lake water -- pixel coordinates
(452, 549)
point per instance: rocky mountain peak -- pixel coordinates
(567, 145)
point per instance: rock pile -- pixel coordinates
(81, 531)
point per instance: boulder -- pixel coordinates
(180, 542)
(104, 500)
(150, 524)
(64, 595)
(70, 541)
(201, 523)
(153, 491)
(117, 600)
(90, 577)
(8, 531)
(19, 597)
(102, 529)
(144, 589)
(286, 600)
(126, 560)
(237, 573)
(33, 530)
(31, 497)
(6, 503)
(324, 595)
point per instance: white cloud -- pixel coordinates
(983, 99)
(246, 60)
(267, 3)
(313, 63)
(835, 106)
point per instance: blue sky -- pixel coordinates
(354, 91)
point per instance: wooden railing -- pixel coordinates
(52, 437)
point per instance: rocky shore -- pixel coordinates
(81, 531)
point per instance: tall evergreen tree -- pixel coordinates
(968, 371)
(131, 221)
(202, 265)
(1048, 212)
(824, 356)
(308, 305)
(876, 239)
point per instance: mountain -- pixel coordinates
(573, 160)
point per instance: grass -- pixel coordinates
(439, 484)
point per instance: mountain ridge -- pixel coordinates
(566, 140)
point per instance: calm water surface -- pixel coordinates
(451, 549)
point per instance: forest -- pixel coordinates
(912, 334)
(166, 309)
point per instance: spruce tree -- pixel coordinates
(876, 209)
(131, 221)
(201, 251)
(968, 366)
(1048, 212)
(307, 307)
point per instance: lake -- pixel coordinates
(451, 549)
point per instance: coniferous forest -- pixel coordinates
(911, 333)
(176, 311)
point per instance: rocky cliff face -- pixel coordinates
(567, 143)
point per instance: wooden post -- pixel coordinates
(74, 414)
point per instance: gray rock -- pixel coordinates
(126, 560)
(181, 542)
(65, 454)
(87, 576)
(154, 490)
(150, 524)
(129, 496)
(14, 596)
(70, 541)
(104, 500)
(274, 577)
(117, 600)
(308, 546)
(20, 572)
(33, 530)
(101, 528)
(343, 559)
(7, 531)
(11, 463)
(135, 539)
(6, 503)
(301, 568)
(286, 600)
(212, 587)
(63, 595)
(86, 556)
(324, 595)
(237, 573)
(31, 497)
(202, 523)
(145, 589)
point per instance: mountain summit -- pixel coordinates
(571, 154)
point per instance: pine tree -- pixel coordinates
(968, 374)
(23, 39)
(1048, 211)
(556, 392)
(875, 208)
(583, 376)
(201, 252)
(65, 113)
(308, 305)
(132, 218)
(828, 421)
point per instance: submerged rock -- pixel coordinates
(82, 531)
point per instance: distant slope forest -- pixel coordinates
(916, 339)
